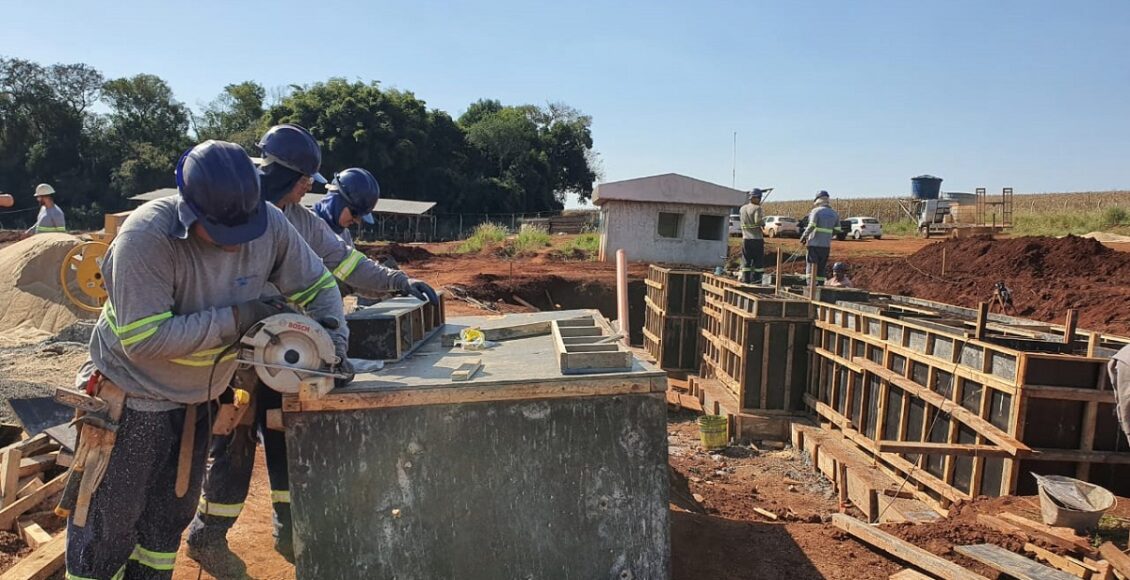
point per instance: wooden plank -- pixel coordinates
(1069, 394)
(467, 370)
(9, 514)
(1118, 560)
(970, 419)
(941, 448)
(1061, 562)
(1063, 537)
(766, 513)
(30, 487)
(10, 476)
(42, 563)
(982, 318)
(909, 574)
(38, 464)
(902, 550)
(1012, 564)
(33, 535)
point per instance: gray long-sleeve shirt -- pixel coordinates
(823, 222)
(752, 218)
(1119, 369)
(344, 261)
(169, 311)
(50, 220)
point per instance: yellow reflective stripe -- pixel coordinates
(203, 358)
(50, 229)
(280, 496)
(346, 267)
(824, 230)
(117, 575)
(224, 510)
(127, 334)
(306, 296)
(156, 560)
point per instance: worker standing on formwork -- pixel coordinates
(292, 162)
(186, 278)
(753, 242)
(350, 200)
(50, 219)
(823, 223)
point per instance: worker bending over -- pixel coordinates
(186, 278)
(753, 243)
(840, 276)
(823, 223)
(50, 219)
(291, 163)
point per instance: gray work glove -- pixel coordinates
(344, 367)
(420, 290)
(252, 311)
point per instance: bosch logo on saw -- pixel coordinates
(297, 326)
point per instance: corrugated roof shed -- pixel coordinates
(669, 188)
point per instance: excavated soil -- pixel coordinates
(1047, 277)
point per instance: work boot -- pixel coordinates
(217, 559)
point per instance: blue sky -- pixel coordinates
(852, 97)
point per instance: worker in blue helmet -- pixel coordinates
(823, 223)
(350, 199)
(186, 277)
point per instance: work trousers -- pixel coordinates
(817, 260)
(136, 520)
(753, 260)
(229, 477)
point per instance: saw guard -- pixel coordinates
(288, 340)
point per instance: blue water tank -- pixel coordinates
(925, 187)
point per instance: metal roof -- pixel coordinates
(384, 205)
(669, 188)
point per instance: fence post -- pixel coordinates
(460, 226)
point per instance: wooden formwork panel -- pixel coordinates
(963, 416)
(391, 329)
(674, 292)
(673, 341)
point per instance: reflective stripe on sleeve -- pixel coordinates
(224, 510)
(50, 229)
(137, 330)
(163, 561)
(346, 267)
(280, 496)
(307, 296)
(204, 358)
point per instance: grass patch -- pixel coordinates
(529, 240)
(484, 234)
(902, 227)
(585, 246)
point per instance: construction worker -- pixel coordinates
(753, 242)
(840, 276)
(823, 223)
(291, 163)
(350, 200)
(1002, 296)
(1119, 370)
(50, 218)
(186, 276)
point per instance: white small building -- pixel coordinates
(671, 218)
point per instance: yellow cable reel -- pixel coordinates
(82, 271)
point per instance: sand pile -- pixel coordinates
(1107, 237)
(32, 303)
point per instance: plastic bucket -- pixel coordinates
(714, 431)
(925, 187)
(1054, 513)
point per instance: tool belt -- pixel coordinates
(98, 411)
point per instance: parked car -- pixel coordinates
(735, 224)
(779, 226)
(862, 227)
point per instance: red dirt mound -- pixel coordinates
(403, 254)
(1047, 277)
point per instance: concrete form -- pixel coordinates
(520, 472)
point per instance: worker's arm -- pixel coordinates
(346, 263)
(303, 279)
(139, 271)
(811, 227)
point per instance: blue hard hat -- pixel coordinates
(218, 182)
(822, 194)
(292, 147)
(756, 192)
(359, 190)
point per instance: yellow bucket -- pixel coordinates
(714, 431)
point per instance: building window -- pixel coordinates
(670, 225)
(711, 227)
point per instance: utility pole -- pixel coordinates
(734, 173)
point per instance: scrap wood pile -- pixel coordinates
(32, 476)
(972, 544)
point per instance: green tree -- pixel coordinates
(236, 115)
(148, 130)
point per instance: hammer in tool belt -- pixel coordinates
(98, 409)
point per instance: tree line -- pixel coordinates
(99, 141)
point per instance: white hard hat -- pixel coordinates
(44, 189)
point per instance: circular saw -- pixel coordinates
(288, 351)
